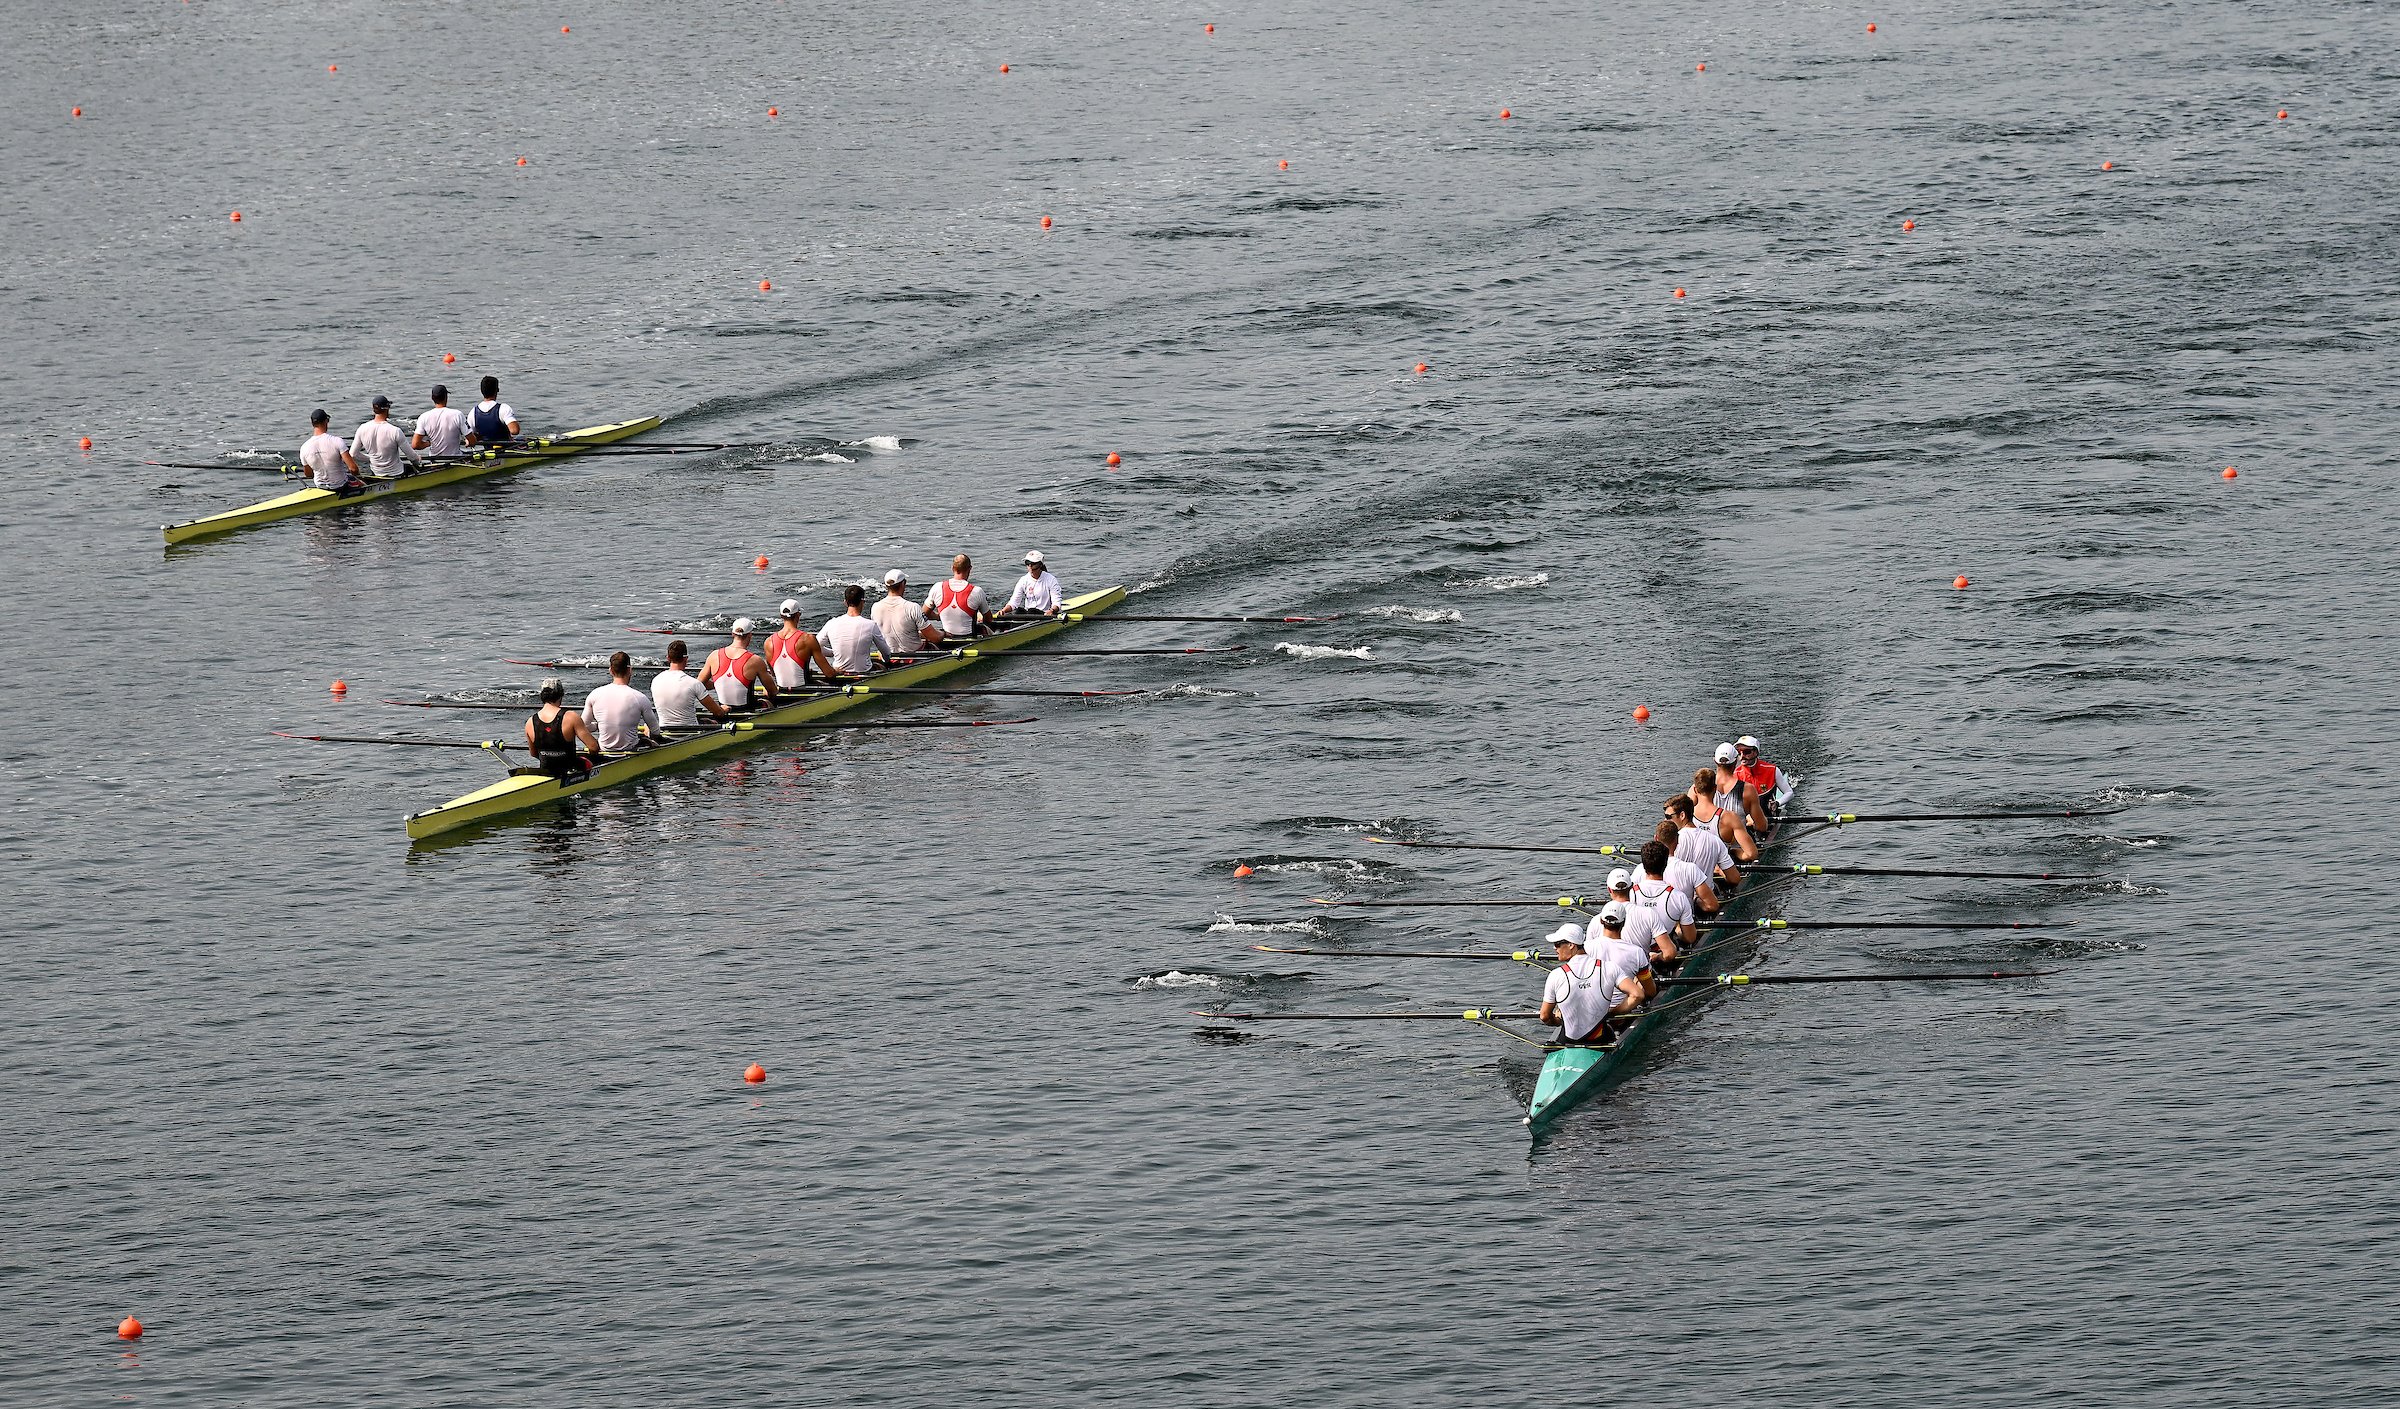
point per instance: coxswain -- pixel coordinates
(902, 621)
(1759, 774)
(621, 717)
(1660, 863)
(381, 444)
(1723, 812)
(678, 697)
(734, 671)
(958, 603)
(852, 639)
(441, 427)
(794, 649)
(1660, 908)
(493, 421)
(327, 460)
(1745, 799)
(1584, 992)
(1699, 843)
(1038, 592)
(561, 744)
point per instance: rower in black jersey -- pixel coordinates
(493, 421)
(553, 732)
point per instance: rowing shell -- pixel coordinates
(527, 788)
(1572, 1075)
(488, 462)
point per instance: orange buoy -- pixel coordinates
(754, 1074)
(1679, 293)
(448, 358)
(1004, 68)
(562, 29)
(1283, 166)
(1870, 29)
(1959, 582)
(333, 68)
(766, 286)
(1699, 68)
(1422, 369)
(1242, 870)
(520, 161)
(129, 1329)
(77, 113)
(1114, 459)
(2232, 473)
(237, 217)
(86, 443)
(1045, 222)
(1908, 225)
(760, 563)
(1505, 114)
(1640, 713)
(1208, 29)
(771, 112)
(2108, 166)
(341, 687)
(2280, 114)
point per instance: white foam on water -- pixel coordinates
(880, 444)
(1226, 924)
(1508, 582)
(1340, 868)
(1176, 978)
(1325, 652)
(1428, 615)
(1199, 692)
(826, 457)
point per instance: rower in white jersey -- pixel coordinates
(794, 649)
(621, 717)
(1689, 880)
(1699, 843)
(902, 621)
(441, 427)
(1650, 892)
(735, 672)
(1585, 990)
(1037, 591)
(1606, 941)
(382, 445)
(852, 639)
(678, 696)
(1723, 811)
(327, 460)
(958, 604)
(1653, 932)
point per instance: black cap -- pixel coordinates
(318, 417)
(381, 403)
(440, 392)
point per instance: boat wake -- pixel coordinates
(1177, 978)
(1226, 924)
(878, 444)
(1507, 582)
(1325, 652)
(1430, 616)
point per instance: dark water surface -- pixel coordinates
(345, 1122)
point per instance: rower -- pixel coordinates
(902, 621)
(678, 697)
(1585, 991)
(1038, 590)
(734, 671)
(852, 639)
(441, 427)
(1699, 844)
(618, 714)
(1730, 783)
(1759, 774)
(327, 460)
(1721, 811)
(493, 421)
(1662, 912)
(553, 732)
(1660, 863)
(381, 444)
(959, 604)
(792, 650)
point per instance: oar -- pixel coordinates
(404, 740)
(1806, 870)
(1752, 980)
(1129, 616)
(1521, 956)
(1473, 1015)
(1882, 924)
(973, 653)
(1844, 819)
(1564, 902)
(277, 466)
(747, 727)
(1508, 846)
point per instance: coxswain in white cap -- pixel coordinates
(1763, 777)
(794, 650)
(1721, 809)
(1037, 591)
(733, 672)
(902, 621)
(958, 604)
(561, 745)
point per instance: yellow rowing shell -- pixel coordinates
(528, 788)
(490, 462)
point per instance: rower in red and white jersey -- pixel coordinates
(1651, 893)
(1689, 881)
(1746, 799)
(1722, 811)
(959, 602)
(794, 649)
(1699, 843)
(734, 672)
(1643, 926)
(1764, 777)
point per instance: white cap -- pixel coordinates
(895, 578)
(790, 607)
(1569, 933)
(1034, 557)
(741, 626)
(1746, 741)
(1612, 915)
(1620, 879)
(1725, 753)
